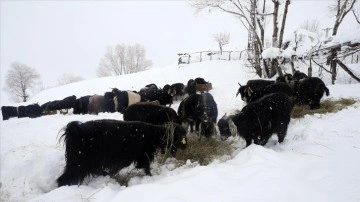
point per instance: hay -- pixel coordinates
(327, 106)
(204, 151)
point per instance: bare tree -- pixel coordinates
(121, 54)
(222, 38)
(20, 79)
(313, 26)
(356, 13)
(124, 59)
(108, 64)
(67, 78)
(252, 17)
(342, 8)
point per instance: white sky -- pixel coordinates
(58, 37)
(72, 36)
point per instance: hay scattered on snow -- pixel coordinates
(326, 106)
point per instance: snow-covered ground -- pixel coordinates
(318, 161)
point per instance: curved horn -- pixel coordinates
(249, 91)
(233, 128)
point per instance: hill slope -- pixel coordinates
(319, 160)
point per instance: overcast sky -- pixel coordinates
(58, 37)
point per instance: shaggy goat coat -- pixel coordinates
(258, 120)
(200, 109)
(258, 93)
(309, 91)
(65, 103)
(81, 105)
(151, 113)
(96, 104)
(8, 112)
(100, 146)
(31, 111)
(123, 99)
(252, 84)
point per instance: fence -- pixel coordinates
(187, 58)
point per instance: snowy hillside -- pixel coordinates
(319, 160)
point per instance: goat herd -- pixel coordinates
(103, 147)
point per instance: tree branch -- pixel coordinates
(356, 17)
(321, 66)
(346, 69)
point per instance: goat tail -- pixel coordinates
(72, 134)
(74, 155)
(321, 88)
(324, 88)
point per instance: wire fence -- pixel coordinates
(200, 56)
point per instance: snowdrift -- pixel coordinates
(318, 161)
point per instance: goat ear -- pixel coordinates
(224, 117)
(239, 84)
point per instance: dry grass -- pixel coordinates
(204, 151)
(327, 106)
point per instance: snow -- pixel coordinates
(271, 53)
(318, 161)
(352, 36)
(301, 42)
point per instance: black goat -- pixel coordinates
(254, 95)
(309, 91)
(258, 120)
(252, 84)
(200, 109)
(97, 147)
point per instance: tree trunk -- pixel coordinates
(333, 66)
(275, 68)
(255, 42)
(257, 60)
(287, 3)
(310, 69)
(292, 66)
(336, 27)
(24, 96)
(275, 24)
(266, 68)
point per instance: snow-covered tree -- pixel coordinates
(252, 15)
(67, 78)
(222, 38)
(20, 79)
(123, 59)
